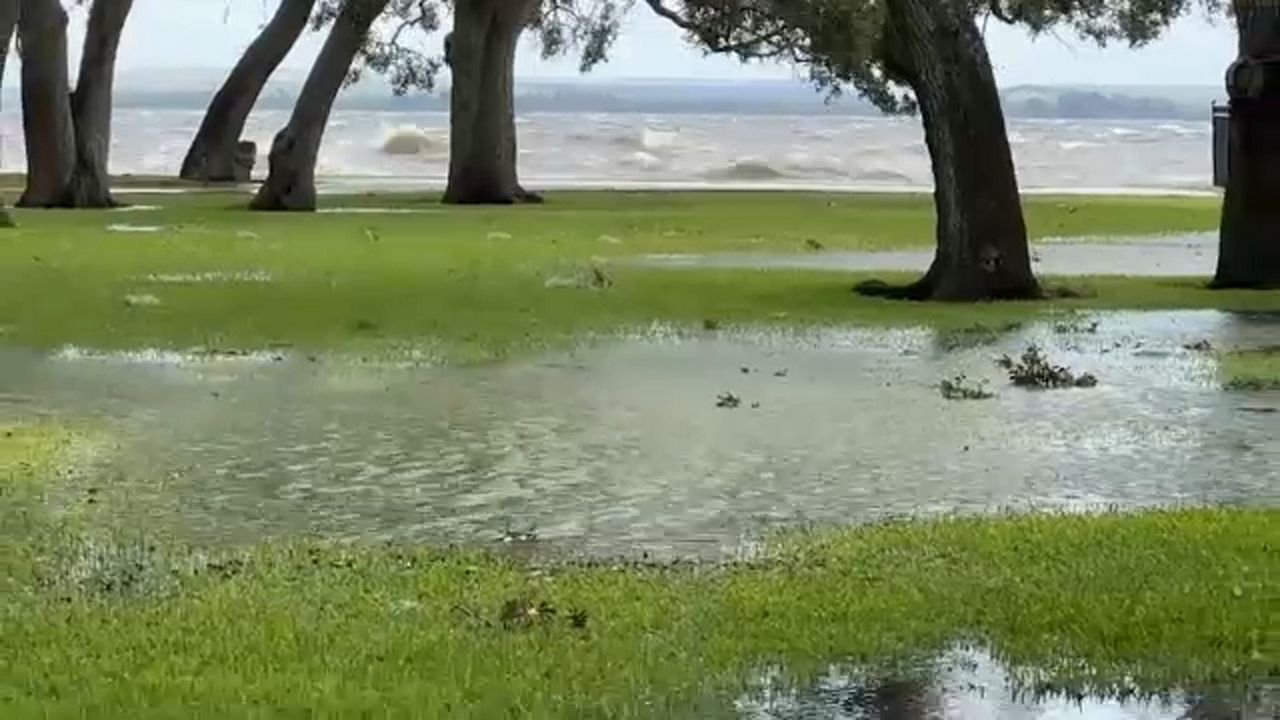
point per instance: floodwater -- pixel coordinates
(621, 448)
(1174, 255)
(970, 685)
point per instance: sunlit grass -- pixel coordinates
(1152, 600)
(1253, 369)
(472, 283)
(102, 617)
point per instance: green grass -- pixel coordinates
(121, 623)
(100, 618)
(470, 282)
(1086, 603)
(1252, 369)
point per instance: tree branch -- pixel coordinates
(748, 47)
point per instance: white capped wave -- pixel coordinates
(1078, 144)
(410, 141)
(652, 139)
(645, 160)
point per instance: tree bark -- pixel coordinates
(46, 102)
(212, 155)
(91, 105)
(982, 251)
(291, 183)
(1249, 241)
(482, 125)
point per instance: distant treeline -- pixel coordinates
(1085, 105)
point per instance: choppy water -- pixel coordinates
(407, 150)
(621, 448)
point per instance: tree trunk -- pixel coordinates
(91, 105)
(1249, 244)
(291, 183)
(46, 102)
(212, 156)
(982, 251)
(482, 118)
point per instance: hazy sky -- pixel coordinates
(204, 33)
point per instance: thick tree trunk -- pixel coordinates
(291, 184)
(982, 251)
(1249, 244)
(91, 105)
(482, 118)
(46, 102)
(212, 156)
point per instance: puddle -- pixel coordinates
(214, 276)
(188, 358)
(1160, 256)
(141, 300)
(970, 685)
(621, 448)
(136, 208)
(127, 228)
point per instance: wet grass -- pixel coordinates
(1254, 369)
(456, 634)
(479, 284)
(114, 623)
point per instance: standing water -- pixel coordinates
(632, 445)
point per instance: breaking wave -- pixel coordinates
(410, 141)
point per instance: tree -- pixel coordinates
(482, 139)
(934, 48)
(68, 135)
(212, 156)
(1249, 251)
(46, 103)
(481, 53)
(91, 105)
(930, 56)
(291, 182)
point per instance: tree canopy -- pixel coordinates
(847, 44)
(396, 48)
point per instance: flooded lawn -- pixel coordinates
(631, 446)
(1191, 254)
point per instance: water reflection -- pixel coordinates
(621, 448)
(970, 685)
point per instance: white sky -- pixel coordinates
(211, 33)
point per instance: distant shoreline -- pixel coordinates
(338, 185)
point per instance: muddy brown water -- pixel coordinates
(620, 448)
(1177, 255)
